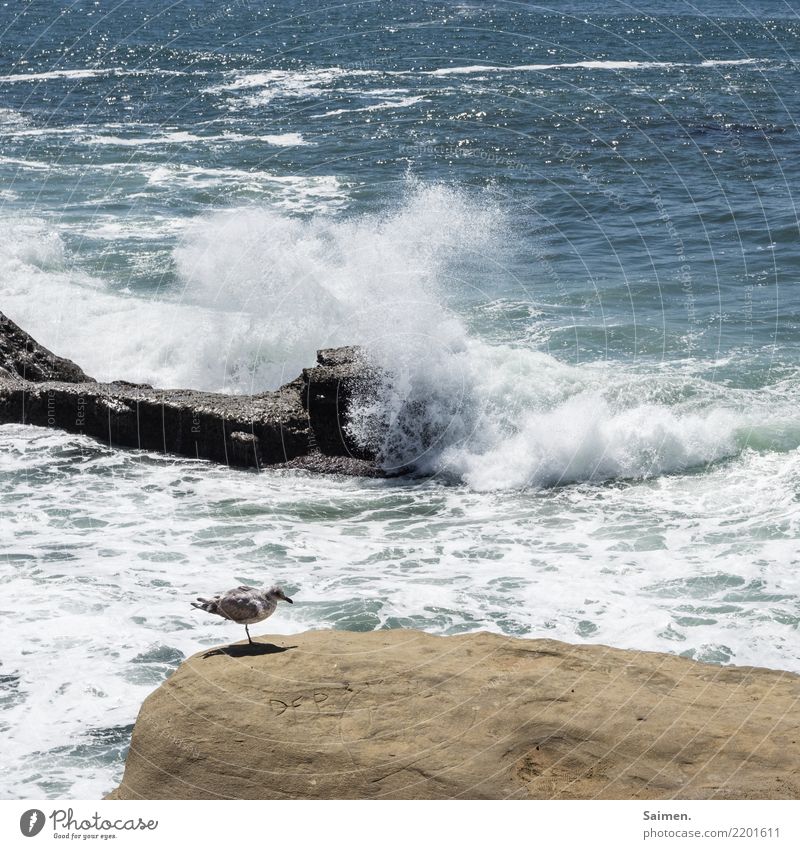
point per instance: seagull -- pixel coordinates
(245, 605)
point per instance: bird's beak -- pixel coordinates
(286, 598)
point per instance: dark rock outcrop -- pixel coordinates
(341, 375)
(21, 356)
(240, 431)
(301, 425)
(406, 715)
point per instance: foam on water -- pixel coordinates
(332, 281)
(260, 87)
(110, 334)
(283, 139)
(591, 65)
(29, 242)
(12, 121)
(86, 74)
(498, 417)
(494, 417)
(65, 74)
(102, 575)
(296, 193)
(396, 103)
(183, 137)
(29, 164)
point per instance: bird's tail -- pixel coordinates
(207, 604)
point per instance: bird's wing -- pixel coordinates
(238, 606)
(246, 589)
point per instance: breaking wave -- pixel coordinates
(262, 290)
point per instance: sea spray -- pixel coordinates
(450, 404)
(257, 290)
(261, 291)
(502, 418)
(377, 280)
(29, 241)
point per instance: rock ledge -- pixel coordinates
(406, 715)
(303, 424)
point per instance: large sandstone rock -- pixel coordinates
(402, 714)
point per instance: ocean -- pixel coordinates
(571, 233)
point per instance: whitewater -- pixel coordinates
(570, 248)
(260, 291)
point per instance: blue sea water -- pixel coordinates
(569, 229)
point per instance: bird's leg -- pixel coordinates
(249, 638)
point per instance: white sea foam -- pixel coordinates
(110, 334)
(29, 243)
(283, 139)
(12, 121)
(176, 137)
(182, 137)
(66, 74)
(28, 164)
(589, 64)
(310, 283)
(395, 103)
(497, 417)
(100, 587)
(586, 438)
(260, 87)
(723, 62)
(87, 73)
(33, 132)
(262, 289)
(289, 192)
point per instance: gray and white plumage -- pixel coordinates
(243, 605)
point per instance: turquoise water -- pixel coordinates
(570, 233)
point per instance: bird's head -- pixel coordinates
(277, 592)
